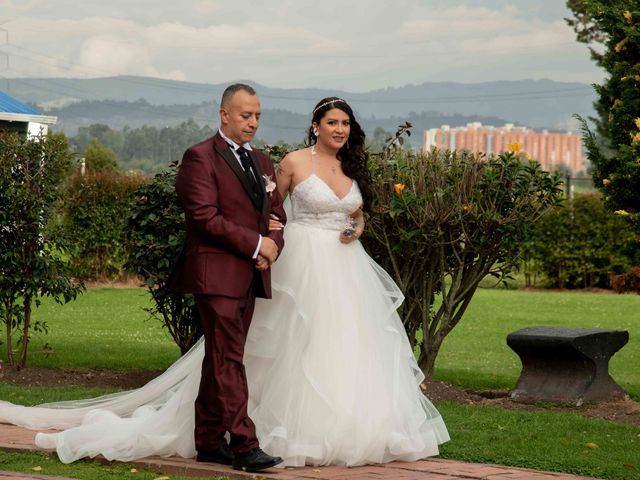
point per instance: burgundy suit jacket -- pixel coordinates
(223, 222)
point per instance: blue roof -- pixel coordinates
(11, 105)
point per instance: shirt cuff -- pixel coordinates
(255, 254)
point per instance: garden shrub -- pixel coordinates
(92, 220)
(444, 220)
(628, 281)
(32, 171)
(156, 237)
(580, 243)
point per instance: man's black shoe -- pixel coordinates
(254, 460)
(222, 455)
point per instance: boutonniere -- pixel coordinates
(269, 184)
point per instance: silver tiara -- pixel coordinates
(327, 103)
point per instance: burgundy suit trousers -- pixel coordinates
(221, 405)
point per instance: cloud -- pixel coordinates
(486, 33)
(295, 43)
(111, 53)
(207, 6)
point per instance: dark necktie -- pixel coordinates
(249, 170)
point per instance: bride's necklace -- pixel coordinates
(315, 152)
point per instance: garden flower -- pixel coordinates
(467, 208)
(621, 212)
(606, 182)
(398, 187)
(621, 44)
(515, 147)
(627, 16)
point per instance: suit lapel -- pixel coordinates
(233, 162)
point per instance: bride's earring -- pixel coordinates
(315, 132)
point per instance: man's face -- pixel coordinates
(240, 117)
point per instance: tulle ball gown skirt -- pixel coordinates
(332, 376)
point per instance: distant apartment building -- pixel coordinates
(551, 150)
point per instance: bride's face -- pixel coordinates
(333, 129)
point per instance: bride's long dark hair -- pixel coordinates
(352, 155)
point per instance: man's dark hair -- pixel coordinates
(232, 89)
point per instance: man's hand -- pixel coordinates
(269, 250)
(262, 263)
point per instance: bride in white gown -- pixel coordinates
(342, 385)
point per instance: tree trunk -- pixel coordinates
(431, 344)
(427, 362)
(8, 323)
(25, 331)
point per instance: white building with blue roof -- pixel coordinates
(15, 116)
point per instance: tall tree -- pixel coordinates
(31, 265)
(100, 158)
(586, 28)
(616, 168)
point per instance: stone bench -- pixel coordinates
(566, 365)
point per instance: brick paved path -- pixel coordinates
(18, 439)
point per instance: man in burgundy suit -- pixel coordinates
(229, 250)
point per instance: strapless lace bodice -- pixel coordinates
(313, 203)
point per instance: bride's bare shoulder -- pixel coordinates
(295, 160)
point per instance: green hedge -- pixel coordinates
(579, 244)
(92, 219)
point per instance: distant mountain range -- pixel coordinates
(135, 101)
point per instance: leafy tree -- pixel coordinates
(103, 133)
(148, 148)
(586, 27)
(99, 158)
(442, 222)
(616, 171)
(31, 266)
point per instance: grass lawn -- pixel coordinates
(37, 395)
(563, 442)
(107, 328)
(103, 328)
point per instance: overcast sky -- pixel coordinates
(355, 45)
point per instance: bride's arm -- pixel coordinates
(284, 176)
(283, 183)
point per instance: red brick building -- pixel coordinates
(552, 150)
